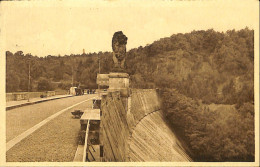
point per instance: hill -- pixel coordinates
(195, 72)
(207, 65)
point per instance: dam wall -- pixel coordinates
(114, 127)
(133, 129)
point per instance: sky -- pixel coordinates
(67, 27)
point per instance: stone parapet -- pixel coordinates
(118, 75)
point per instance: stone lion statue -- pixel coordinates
(119, 42)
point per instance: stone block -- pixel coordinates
(119, 82)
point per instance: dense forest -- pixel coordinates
(195, 71)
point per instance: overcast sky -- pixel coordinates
(65, 27)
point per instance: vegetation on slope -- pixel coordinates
(207, 65)
(198, 68)
(212, 132)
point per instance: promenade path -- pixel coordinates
(38, 132)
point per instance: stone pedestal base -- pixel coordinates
(119, 82)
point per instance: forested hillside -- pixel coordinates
(215, 132)
(207, 65)
(193, 70)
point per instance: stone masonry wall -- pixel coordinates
(134, 129)
(119, 117)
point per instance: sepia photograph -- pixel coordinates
(157, 82)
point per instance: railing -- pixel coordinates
(93, 157)
(86, 144)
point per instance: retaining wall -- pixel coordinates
(133, 129)
(24, 95)
(114, 127)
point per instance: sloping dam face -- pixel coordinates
(134, 129)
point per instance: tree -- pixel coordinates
(44, 85)
(12, 82)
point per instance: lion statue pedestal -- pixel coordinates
(119, 82)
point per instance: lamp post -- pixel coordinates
(99, 73)
(72, 70)
(72, 80)
(99, 63)
(29, 78)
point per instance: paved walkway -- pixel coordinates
(20, 103)
(20, 137)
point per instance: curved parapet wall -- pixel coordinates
(153, 140)
(133, 129)
(141, 103)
